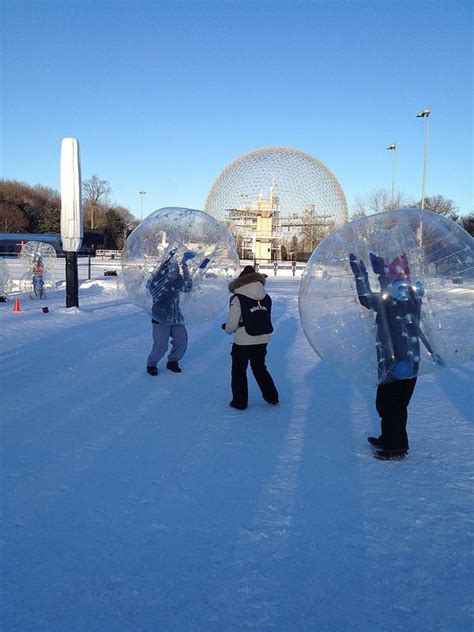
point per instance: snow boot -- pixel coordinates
(390, 455)
(172, 365)
(152, 370)
(232, 404)
(375, 441)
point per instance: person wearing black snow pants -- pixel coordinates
(250, 321)
(397, 309)
(241, 356)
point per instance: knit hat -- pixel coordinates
(399, 269)
(247, 270)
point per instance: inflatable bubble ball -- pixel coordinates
(38, 254)
(390, 296)
(37, 285)
(184, 249)
(5, 281)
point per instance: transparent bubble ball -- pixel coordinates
(5, 281)
(293, 182)
(37, 285)
(38, 254)
(168, 235)
(426, 279)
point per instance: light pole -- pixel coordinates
(142, 193)
(393, 148)
(425, 114)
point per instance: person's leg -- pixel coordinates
(262, 376)
(179, 342)
(239, 384)
(161, 335)
(392, 406)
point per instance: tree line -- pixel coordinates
(37, 209)
(380, 200)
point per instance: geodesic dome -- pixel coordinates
(301, 186)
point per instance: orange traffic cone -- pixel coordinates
(16, 307)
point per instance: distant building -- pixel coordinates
(12, 243)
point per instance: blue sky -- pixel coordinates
(163, 95)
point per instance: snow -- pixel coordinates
(139, 503)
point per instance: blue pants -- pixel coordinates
(161, 336)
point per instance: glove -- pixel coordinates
(437, 359)
(354, 265)
(223, 326)
(378, 264)
(358, 269)
(204, 263)
(189, 254)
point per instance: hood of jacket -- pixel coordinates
(251, 285)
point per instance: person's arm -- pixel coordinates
(361, 277)
(187, 280)
(235, 314)
(378, 266)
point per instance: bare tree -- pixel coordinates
(95, 193)
(378, 201)
(441, 205)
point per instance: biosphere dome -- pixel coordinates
(267, 195)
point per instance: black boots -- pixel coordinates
(152, 370)
(172, 365)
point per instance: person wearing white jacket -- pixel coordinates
(249, 320)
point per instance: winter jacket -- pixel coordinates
(165, 292)
(398, 330)
(252, 286)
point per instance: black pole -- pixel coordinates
(72, 280)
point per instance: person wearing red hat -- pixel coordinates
(249, 320)
(397, 310)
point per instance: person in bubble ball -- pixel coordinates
(37, 278)
(249, 320)
(397, 310)
(165, 286)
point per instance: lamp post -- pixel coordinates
(142, 193)
(393, 148)
(424, 114)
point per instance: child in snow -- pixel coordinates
(165, 286)
(397, 310)
(250, 321)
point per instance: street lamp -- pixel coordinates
(142, 193)
(424, 114)
(393, 147)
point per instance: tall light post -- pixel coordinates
(425, 114)
(142, 193)
(393, 148)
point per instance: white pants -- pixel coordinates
(161, 335)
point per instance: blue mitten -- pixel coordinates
(189, 254)
(204, 263)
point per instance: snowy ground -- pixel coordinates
(133, 503)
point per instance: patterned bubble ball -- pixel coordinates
(390, 296)
(272, 194)
(192, 243)
(38, 254)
